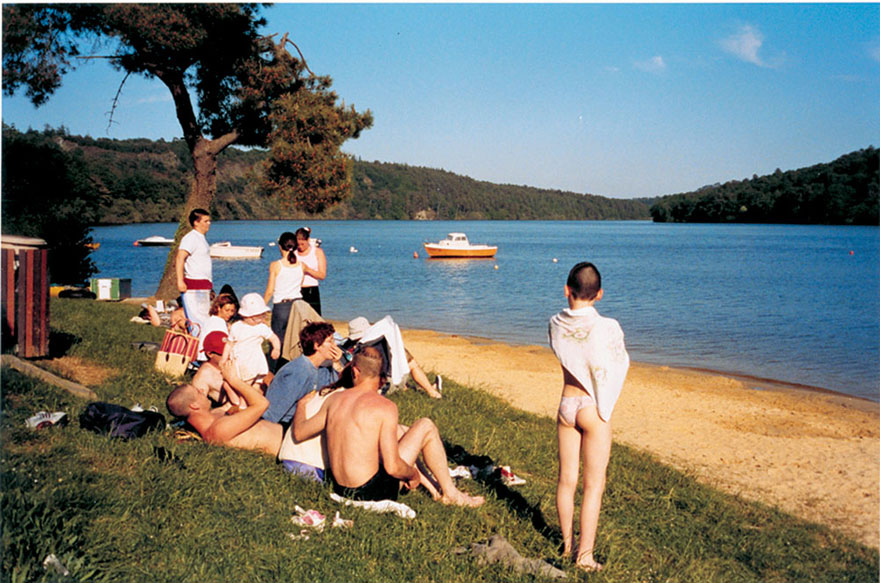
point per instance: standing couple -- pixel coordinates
(295, 276)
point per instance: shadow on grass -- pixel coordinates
(490, 476)
(60, 343)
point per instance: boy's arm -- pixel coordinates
(227, 350)
(307, 428)
(276, 346)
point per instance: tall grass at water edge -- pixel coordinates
(154, 509)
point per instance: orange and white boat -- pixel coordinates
(457, 245)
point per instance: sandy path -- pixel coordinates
(812, 454)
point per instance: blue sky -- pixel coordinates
(620, 100)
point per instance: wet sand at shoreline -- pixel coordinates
(813, 454)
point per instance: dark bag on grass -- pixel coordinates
(117, 421)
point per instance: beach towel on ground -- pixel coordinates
(591, 348)
(380, 506)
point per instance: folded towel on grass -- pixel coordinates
(380, 506)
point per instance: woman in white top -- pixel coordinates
(284, 286)
(223, 309)
(314, 267)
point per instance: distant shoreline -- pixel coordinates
(763, 383)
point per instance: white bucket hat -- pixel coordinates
(252, 304)
(357, 328)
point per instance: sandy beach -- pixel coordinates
(813, 454)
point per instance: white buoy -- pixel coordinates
(352, 249)
(272, 244)
(555, 260)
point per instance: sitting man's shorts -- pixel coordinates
(380, 487)
(303, 470)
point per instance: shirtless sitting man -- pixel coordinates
(244, 429)
(368, 461)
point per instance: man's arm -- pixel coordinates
(303, 428)
(182, 254)
(227, 427)
(388, 448)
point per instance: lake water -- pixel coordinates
(799, 304)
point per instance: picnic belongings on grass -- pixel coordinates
(43, 419)
(118, 421)
(312, 519)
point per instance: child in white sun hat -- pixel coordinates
(247, 336)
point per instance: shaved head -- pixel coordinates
(584, 281)
(180, 399)
(369, 362)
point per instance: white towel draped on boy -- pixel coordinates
(591, 348)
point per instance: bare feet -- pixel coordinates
(459, 498)
(587, 563)
(434, 394)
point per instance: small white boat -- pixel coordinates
(457, 245)
(154, 241)
(352, 249)
(226, 250)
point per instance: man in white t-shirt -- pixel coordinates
(193, 268)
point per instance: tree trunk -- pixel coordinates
(204, 186)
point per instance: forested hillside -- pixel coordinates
(142, 180)
(843, 192)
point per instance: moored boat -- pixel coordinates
(154, 241)
(457, 245)
(226, 250)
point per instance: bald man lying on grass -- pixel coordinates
(227, 424)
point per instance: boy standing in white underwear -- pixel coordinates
(594, 363)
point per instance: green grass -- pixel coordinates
(113, 511)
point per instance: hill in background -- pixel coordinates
(843, 192)
(142, 180)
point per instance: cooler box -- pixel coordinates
(111, 288)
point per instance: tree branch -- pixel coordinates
(116, 102)
(284, 41)
(88, 57)
(192, 133)
(219, 144)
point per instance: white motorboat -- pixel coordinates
(226, 250)
(457, 245)
(154, 241)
